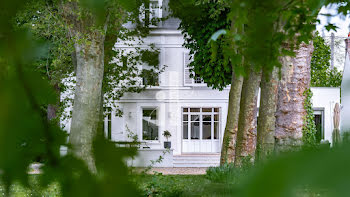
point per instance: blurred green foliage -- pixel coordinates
(25, 132)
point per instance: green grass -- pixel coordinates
(172, 185)
(18, 190)
(218, 182)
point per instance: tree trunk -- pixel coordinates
(246, 134)
(228, 144)
(290, 113)
(87, 100)
(267, 112)
(53, 108)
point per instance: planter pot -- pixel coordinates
(167, 145)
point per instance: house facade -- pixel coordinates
(193, 113)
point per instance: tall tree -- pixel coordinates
(290, 113)
(267, 110)
(246, 135)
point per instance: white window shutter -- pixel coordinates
(188, 81)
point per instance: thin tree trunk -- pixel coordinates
(290, 113)
(87, 100)
(228, 144)
(246, 134)
(267, 112)
(52, 109)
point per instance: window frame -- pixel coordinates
(157, 121)
(201, 113)
(142, 17)
(187, 59)
(107, 124)
(321, 111)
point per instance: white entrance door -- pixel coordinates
(200, 130)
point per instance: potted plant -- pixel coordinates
(167, 135)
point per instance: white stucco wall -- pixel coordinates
(325, 98)
(345, 97)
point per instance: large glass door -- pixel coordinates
(200, 130)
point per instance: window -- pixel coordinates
(107, 126)
(149, 13)
(150, 77)
(318, 118)
(200, 123)
(190, 78)
(150, 67)
(149, 124)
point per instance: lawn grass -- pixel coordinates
(158, 185)
(18, 190)
(172, 185)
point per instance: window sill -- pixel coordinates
(150, 142)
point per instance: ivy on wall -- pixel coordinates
(309, 128)
(322, 75)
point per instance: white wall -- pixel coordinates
(345, 96)
(325, 98)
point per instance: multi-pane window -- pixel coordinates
(107, 126)
(149, 13)
(200, 123)
(190, 78)
(150, 77)
(150, 128)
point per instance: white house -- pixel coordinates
(193, 113)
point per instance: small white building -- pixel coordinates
(194, 113)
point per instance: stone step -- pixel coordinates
(195, 165)
(196, 160)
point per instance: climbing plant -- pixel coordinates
(322, 75)
(309, 128)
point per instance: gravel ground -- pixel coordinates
(183, 171)
(35, 169)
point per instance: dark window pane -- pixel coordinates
(149, 124)
(152, 113)
(206, 117)
(319, 129)
(194, 117)
(207, 109)
(216, 109)
(216, 130)
(194, 130)
(206, 130)
(216, 117)
(185, 117)
(185, 130)
(109, 134)
(195, 109)
(185, 110)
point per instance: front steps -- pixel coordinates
(196, 160)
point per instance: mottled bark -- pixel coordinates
(267, 120)
(246, 134)
(228, 144)
(290, 112)
(87, 99)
